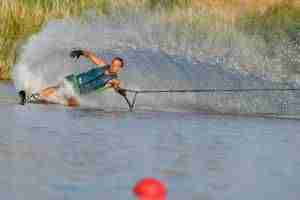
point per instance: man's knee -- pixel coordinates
(72, 101)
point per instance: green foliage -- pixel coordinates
(279, 22)
(168, 3)
(21, 18)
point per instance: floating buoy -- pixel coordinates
(150, 189)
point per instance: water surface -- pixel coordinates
(53, 152)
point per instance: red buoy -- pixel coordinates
(150, 189)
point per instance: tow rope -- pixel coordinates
(136, 92)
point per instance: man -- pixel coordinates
(102, 77)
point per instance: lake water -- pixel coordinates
(57, 153)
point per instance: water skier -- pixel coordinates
(99, 78)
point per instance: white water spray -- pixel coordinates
(155, 59)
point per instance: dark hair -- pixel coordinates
(119, 59)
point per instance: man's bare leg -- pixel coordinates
(49, 92)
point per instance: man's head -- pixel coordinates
(117, 64)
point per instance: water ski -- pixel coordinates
(35, 99)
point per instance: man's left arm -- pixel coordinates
(116, 85)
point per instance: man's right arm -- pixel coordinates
(93, 58)
(90, 55)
